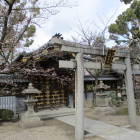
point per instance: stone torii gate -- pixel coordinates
(79, 66)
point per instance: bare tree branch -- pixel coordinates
(7, 2)
(25, 28)
(4, 30)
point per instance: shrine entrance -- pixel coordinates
(78, 64)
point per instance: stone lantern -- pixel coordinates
(30, 118)
(101, 96)
(102, 102)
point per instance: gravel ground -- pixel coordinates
(56, 130)
(52, 130)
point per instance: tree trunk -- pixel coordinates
(94, 91)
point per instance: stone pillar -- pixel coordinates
(79, 98)
(130, 93)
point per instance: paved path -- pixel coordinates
(106, 131)
(46, 113)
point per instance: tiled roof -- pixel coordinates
(10, 78)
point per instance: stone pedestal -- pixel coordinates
(106, 110)
(103, 107)
(101, 100)
(30, 119)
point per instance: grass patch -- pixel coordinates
(124, 111)
(138, 113)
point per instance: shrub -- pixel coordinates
(115, 100)
(7, 115)
(1, 112)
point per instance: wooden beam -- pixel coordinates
(95, 65)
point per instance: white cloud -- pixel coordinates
(40, 39)
(64, 21)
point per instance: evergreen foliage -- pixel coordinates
(126, 29)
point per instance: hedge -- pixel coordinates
(6, 114)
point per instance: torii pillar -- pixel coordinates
(130, 93)
(79, 97)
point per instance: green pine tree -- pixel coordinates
(126, 29)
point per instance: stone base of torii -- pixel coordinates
(79, 66)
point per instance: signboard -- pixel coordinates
(109, 58)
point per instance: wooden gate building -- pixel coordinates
(41, 67)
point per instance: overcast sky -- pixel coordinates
(64, 22)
